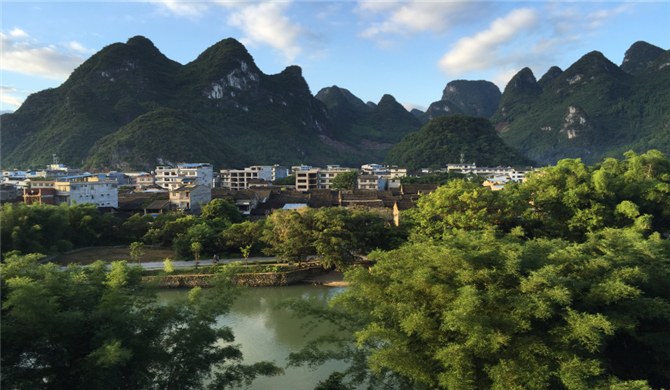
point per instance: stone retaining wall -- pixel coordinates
(265, 279)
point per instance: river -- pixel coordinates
(266, 332)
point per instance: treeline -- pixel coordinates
(559, 282)
(335, 236)
(54, 229)
(562, 281)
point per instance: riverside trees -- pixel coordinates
(559, 282)
(84, 327)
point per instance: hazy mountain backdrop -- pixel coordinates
(130, 107)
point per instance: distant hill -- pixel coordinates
(377, 126)
(591, 110)
(464, 97)
(445, 140)
(129, 106)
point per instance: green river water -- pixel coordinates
(266, 332)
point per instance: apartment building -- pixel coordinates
(102, 193)
(190, 197)
(172, 178)
(515, 174)
(241, 179)
(40, 192)
(318, 178)
(380, 177)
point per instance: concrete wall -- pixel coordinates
(266, 279)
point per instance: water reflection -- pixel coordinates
(267, 331)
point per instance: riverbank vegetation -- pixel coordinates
(559, 282)
(562, 281)
(86, 327)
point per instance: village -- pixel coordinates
(256, 190)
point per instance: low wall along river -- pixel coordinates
(264, 279)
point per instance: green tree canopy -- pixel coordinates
(84, 327)
(477, 311)
(345, 181)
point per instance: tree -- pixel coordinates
(168, 267)
(84, 327)
(287, 235)
(285, 181)
(241, 235)
(481, 311)
(246, 251)
(196, 247)
(345, 181)
(222, 210)
(136, 251)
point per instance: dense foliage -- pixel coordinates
(336, 236)
(52, 229)
(446, 140)
(480, 311)
(344, 181)
(559, 282)
(87, 327)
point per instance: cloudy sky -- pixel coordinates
(410, 49)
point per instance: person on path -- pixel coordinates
(216, 259)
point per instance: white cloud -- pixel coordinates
(19, 53)
(526, 37)
(79, 48)
(404, 18)
(9, 101)
(482, 50)
(18, 33)
(186, 9)
(263, 23)
(597, 18)
(411, 106)
(266, 24)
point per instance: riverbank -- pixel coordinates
(314, 275)
(328, 279)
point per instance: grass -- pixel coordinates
(111, 253)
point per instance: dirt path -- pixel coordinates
(330, 279)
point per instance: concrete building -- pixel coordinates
(40, 192)
(190, 197)
(172, 178)
(241, 179)
(141, 180)
(371, 182)
(515, 174)
(100, 193)
(387, 177)
(318, 178)
(307, 179)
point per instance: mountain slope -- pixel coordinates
(129, 106)
(466, 97)
(375, 127)
(591, 110)
(446, 139)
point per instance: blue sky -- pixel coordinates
(409, 49)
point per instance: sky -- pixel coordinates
(409, 49)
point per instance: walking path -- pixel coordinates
(149, 265)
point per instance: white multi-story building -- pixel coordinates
(141, 180)
(240, 179)
(102, 193)
(172, 178)
(387, 177)
(318, 178)
(514, 174)
(190, 197)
